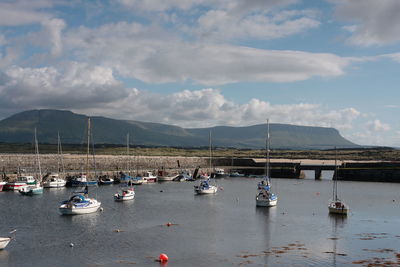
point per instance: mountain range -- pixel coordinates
(19, 128)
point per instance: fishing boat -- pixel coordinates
(82, 180)
(127, 193)
(80, 203)
(20, 182)
(37, 188)
(163, 176)
(205, 187)
(337, 206)
(105, 180)
(218, 173)
(138, 180)
(265, 197)
(4, 242)
(149, 177)
(54, 180)
(183, 175)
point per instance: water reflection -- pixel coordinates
(338, 222)
(4, 254)
(265, 217)
(83, 221)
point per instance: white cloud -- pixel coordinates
(151, 55)
(53, 28)
(224, 25)
(73, 85)
(236, 5)
(22, 12)
(94, 91)
(208, 107)
(377, 126)
(372, 22)
(223, 20)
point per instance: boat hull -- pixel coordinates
(344, 211)
(14, 186)
(262, 202)
(106, 182)
(27, 191)
(55, 184)
(67, 209)
(119, 197)
(338, 207)
(166, 178)
(202, 191)
(80, 184)
(150, 180)
(4, 242)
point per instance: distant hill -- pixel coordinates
(72, 128)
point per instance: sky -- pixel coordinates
(202, 63)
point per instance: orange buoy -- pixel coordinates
(163, 257)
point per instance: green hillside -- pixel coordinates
(72, 127)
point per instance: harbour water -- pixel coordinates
(225, 229)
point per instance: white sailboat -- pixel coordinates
(37, 188)
(337, 206)
(80, 203)
(265, 197)
(54, 180)
(127, 190)
(205, 187)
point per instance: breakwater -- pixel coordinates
(370, 171)
(10, 164)
(374, 171)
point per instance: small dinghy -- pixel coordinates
(127, 193)
(4, 242)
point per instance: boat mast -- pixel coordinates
(210, 152)
(37, 157)
(334, 193)
(88, 148)
(267, 152)
(128, 163)
(59, 149)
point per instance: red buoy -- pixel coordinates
(163, 257)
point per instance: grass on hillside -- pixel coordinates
(387, 154)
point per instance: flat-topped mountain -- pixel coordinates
(72, 127)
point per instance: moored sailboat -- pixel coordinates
(265, 197)
(205, 187)
(127, 191)
(37, 188)
(54, 180)
(337, 206)
(80, 202)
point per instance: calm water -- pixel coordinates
(225, 229)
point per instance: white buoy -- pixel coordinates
(71, 245)
(101, 209)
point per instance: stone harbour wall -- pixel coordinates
(107, 164)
